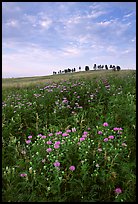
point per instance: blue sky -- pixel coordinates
(41, 37)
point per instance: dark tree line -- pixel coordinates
(95, 67)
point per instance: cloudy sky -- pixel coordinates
(41, 37)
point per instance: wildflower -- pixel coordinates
(56, 146)
(124, 144)
(100, 133)
(97, 165)
(74, 129)
(111, 137)
(78, 143)
(120, 133)
(99, 149)
(88, 128)
(68, 130)
(49, 142)
(43, 160)
(72, 168)
(82, 139)
(65, 134)
(23, 175)
(115, 128)
(50, 134)
(57, 143)
(105, 124)
(56, 164)
(49, 150)
(118, 190)
(28, 141)
(43, 136)
(105, 139)
(30, 136)
(58, 133)
(85, 133)
(84, 136)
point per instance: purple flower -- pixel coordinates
(56, 146)
(111, 137)
(105, 139)
(50, 134)
(85, 133)
(84, 136)
(30, 136)
(43, 137)
(57, 143)
(49, 150)
(105, 124)
(28, 141)
(23, 175)
(56, 164)
(65, 134)
(88, 128)
(72, 168)
(118, 190)
(49, 142)
(115, 128)
(100, 132)
(68, 130)
(82, 139)
(58, 133)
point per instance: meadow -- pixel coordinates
(69, 138)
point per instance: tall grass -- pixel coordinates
(70, 140)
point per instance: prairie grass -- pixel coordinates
(69, 138)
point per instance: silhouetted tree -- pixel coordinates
(118, 68)
(94, 67)
(79, 68)
(106, 67)
(86, 68)
(74, 69)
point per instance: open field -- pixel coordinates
(69, 137)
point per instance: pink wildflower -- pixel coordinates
(115, 128)
(85, 133)
(43, 137)
(56, 146)
(49, 150)
(82, 139)
(100, 133)
(23, 175)
(50, 134)
(88, 128)
(49, 142)
(65, 134)
(28, 141)
(57, 143)
(111, 137)
(99, 149)
(58, 133)
(84, 136)
(118, 190)
(105, 139)
(68, 130)
(43, 160)
(30, 136)
(56, 164)
(72, 168)
(105, 124)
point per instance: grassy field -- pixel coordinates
(69, 137)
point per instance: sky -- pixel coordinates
(41, 37)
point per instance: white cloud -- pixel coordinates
(12, 23)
